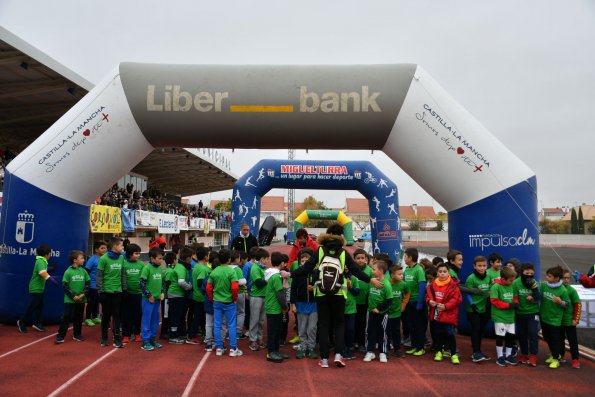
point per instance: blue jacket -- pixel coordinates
(208, 303)
(246, 271)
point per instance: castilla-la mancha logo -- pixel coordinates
(25, 227)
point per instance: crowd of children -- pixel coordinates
(374, 306)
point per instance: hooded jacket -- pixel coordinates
(243, 244)
(450, 296)
(296, 247)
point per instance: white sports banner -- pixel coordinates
(183, 222)
(168, 224)
(142, 218)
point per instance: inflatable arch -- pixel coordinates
(338, 216)
(362, 176)
(489, 193)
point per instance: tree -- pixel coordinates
(592, 226)
(554, 227)
(581, 221)
(573, 223)
(224, 206)
(439, 225)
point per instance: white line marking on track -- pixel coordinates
(80, 374)
(29, 344)
(190, 384)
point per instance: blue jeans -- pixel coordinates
(150, 323)
(228, 310)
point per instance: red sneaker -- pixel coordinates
(125, 339)
(523, 359)
(137, 338)
(532, 360)
(576, 364)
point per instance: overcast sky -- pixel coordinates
(525, 69)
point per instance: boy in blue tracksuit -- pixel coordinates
(209, 339)
(152, 287)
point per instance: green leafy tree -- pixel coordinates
(439, 225)
(573, 222)
(592, 226)
(224, 206)
(581, 221)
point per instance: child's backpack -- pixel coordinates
(330, 271)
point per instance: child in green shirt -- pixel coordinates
(400, 299)
(275, 304)
(361, 301)
(554, 300)
(495, 261)
(131, 299)
(504, 304)
(350, 314)
(152, 286)
(32, 314)
(476, 306)
(222, 289)
(200, 272)
(570, 319)
(527, 314)
(76, 283)
(379, 301)
(111, 281)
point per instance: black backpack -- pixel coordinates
(329, 277)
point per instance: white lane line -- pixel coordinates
(190, 384)
(80, 374)
(29, 344)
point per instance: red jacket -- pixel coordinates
(297, 247)
(450, 296)
(586, 281)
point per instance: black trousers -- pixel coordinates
(92, 310)
(33, 312)
(131, 314)
(273, 332)
(551, 334)
(73, 313)
(111, 303)
(177, 317)
(376, 332)
(395, 331)
(418, 323)
(478, 323)
(360, 324)
(331, 308)
(198, 320)
(569, 332)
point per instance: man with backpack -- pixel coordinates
(327, 266)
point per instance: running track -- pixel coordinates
(32, 365)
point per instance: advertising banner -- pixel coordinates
(167, 223)
(105, 219)
(127, 220)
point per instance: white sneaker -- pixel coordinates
(383, 358)
(297, 346)
(219, 352)
(369, 357)
(235, 352)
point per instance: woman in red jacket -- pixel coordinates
(302, 240)
(444, 297)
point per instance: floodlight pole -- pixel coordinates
(290, 202)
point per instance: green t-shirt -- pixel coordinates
(112, 273)
(493, 274)
(239, 275)
(569, 311)
(452, 273)
(413, 276)
(37, 283)
(221, 278)
(506, 294)
(75, 278)
(271, 303)
(525, 307)
(377, 296)
(550, 312)
(179, 272)
(399, 289)
(133, 270)
(154, 278)
(364, 288)
(257, 273)
(167, 277)
(480, 300)
(200, 272)
(350, 303)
